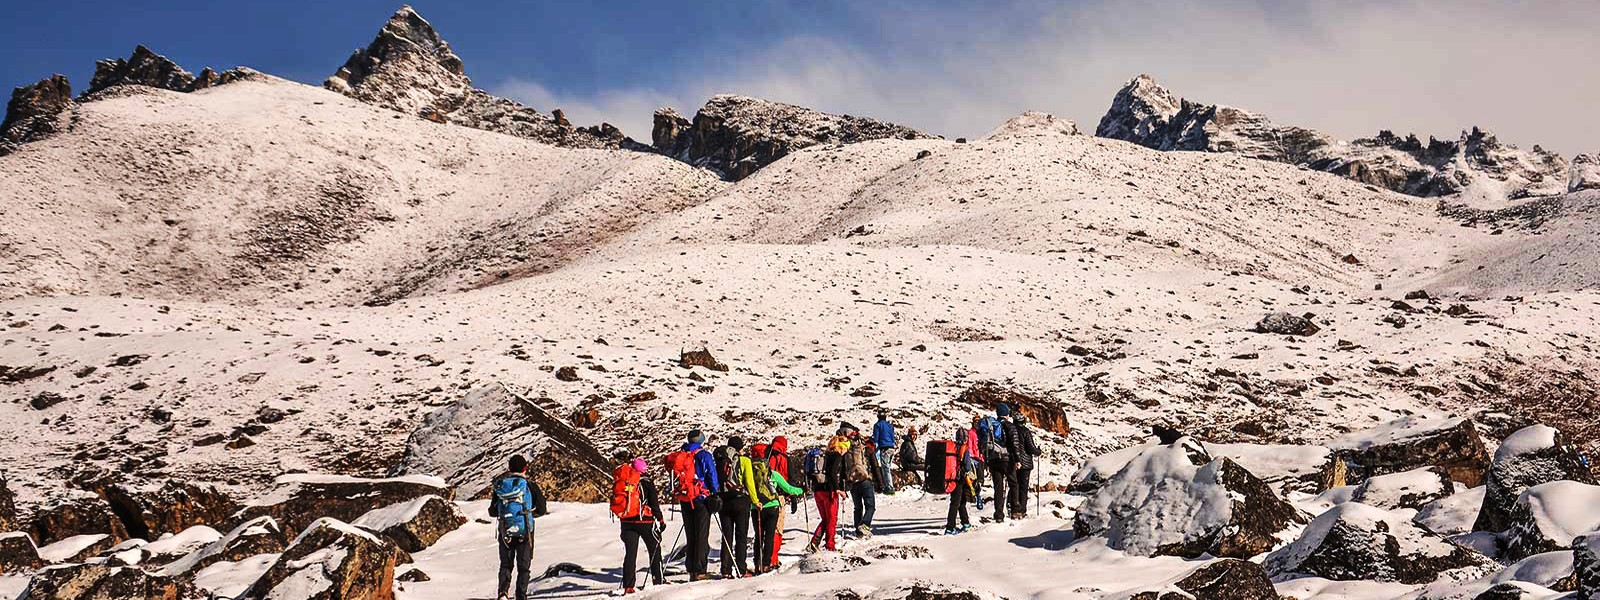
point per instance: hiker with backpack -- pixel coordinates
(997, 456)
(778, 461)
(635, 503)
(693, 475)
(860, 466)
(515, 504)
(766, 486)
(826, 471)
(1025, 450)
(910, 461)
(966, 479)
(883, 439)
(733, 519)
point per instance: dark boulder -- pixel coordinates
(1586, 564)
(414, 525)
(1227, 579)
(1516, 590)
(256, 536)
(330, 561)
(144, 68)
(8, 507)
(1549, 516)
(301, 499)
(173, 507)
(1042, 410)
(17, 553)
(1531, 456)
(76, 516)
(35, 112)
(1409, 444)
(105, 582)
(1282, 323)
(1353, 541)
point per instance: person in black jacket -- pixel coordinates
(1025, 451)
(910, 458)
(641, 519)
(830, 487)
(524, 502)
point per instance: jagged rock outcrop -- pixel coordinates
(143, 67)
(1031, 124)
(413, 525)
(409, 68)
(1042, 411)
(256, 536)
(1353, 541)
(300, 499)
(1549, 516)
(1410, 489)
(1455, 447)
(36, 112)
(330, 561)
(1585, 173)
(1531, 456)
(17, 553)
(173, 507)
(467, 443)
(8, 507)
(1227, 579)
(1176, 500)
(76, 516)
(105, 582)
(1145, 113)
(734, 136)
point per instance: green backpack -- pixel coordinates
(764, 492)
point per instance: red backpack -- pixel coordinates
(685, 483)
(627, 498)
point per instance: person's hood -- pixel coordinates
(691, 447)
(840, 444)
(780, 444)
(758, 451)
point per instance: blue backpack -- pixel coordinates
(991, 437)
(814, 467)
(516, 514)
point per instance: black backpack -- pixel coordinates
(727, 459)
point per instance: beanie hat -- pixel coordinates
(737, 442)
(1002, 410)
(640, 465)
(695, 437)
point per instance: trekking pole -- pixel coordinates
(722, 528)
(1037, 501)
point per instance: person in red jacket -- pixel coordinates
(778, 459)
(636, 504)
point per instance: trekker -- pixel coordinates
(910, 461)
(635, 503)
(975, 452)
(997, 455)
(859, 466)
(883, 438)
(694, 478)
(517, 501)
(733, 519)
(778, 460)
(827, 484)
(967, 476)
(765, 485)
(1026, 450)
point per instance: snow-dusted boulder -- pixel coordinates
(415, 524)
(1529, 457)
(105, 582)
(1553, 570)
(1585, 173)
(1453, 514)
(17, 553)
(77, 548)
(1353, 541)
(1411, 489)
(1517, 590)
(1033, 124)
(1549, 516)
(1097, 470)
(300, 499)
(1406, 444)
(1227, 579)
(257, 536)
(1176, 500)
(173, 547)
(332, 560)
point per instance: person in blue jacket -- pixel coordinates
(883, 439)
(697, 515)
(516, 501)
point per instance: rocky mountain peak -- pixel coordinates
(1140, 107)
(1585, 173)
(735, 135)
(34, 112)
(143, 67)
(407, 68)
(1033, 123)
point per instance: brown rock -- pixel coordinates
(171, 508)
(301, 499)
(77, 516)
(104, 582)
(568, 373)
(34, 113)
(22, 373)
(8, 507)
(700, 357)
(1229, 579)
(342, 562)
(17, 553)
(143, 67)
(1457, 448)
(256, 536)
(414, 525)
(1043, 411)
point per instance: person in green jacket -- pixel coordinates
(765, 485)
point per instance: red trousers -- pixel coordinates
(828, 512)
(777, 540)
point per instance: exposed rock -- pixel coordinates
(256, 536)
(144, 68)
(414, 525)
(301, 498)
(1585, 173)
(35, 112)
(330, 561)
(1549, 516)
(1042, 411)
(1516, 590)
(1411, 444)
(410, 69)
(1176, 500)
(1283, 323)
(1227, 579)
(568, 373)
(413, 575)
(899, 552)
(1033, 124)
(1586, 564)
(1353, 541)
(700, 357)
(22, 373)
(1531, 456)
(831, 562)
(1145, 113)
(17, 553)
(1410, 489)
(734, 136)
(104, 582)
(76, 516)
(8, 507)
(171, 508)
(467, 442)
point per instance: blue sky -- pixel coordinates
(952, 67)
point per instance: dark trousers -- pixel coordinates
(632, 534)
(697, 536)
(864, 495)
(958, 504)
(1000, 474)
(766, 526)
(735, 526)
(1019, 491)
(515, 553)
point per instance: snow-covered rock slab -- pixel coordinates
(332, 560)
(415, 524)
(77, 548)
(103, 582)
(179, 545)
(1176, 500)
(1549, 516)
(1406, 444)
(260, 535)
(1531, 456)
(300, 499)
(1228, 579)
(1353, 541)
(1410, 489)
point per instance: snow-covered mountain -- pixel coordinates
(231, 310)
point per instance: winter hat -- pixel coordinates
(695, 437)
(846, 428)
(1020, 419)
(737, 442)
(1001, 409)
(641, 466)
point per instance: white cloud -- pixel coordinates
(1523, 70)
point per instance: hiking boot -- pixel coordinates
(952, 531)
(701, 577)
(811, 548)
(865, 531)
(965, 527)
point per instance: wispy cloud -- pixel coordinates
(1522, 69)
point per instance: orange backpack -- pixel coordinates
(627, 498)
(685, 483)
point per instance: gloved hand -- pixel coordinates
(660, 528)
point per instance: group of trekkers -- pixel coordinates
(744, 487)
